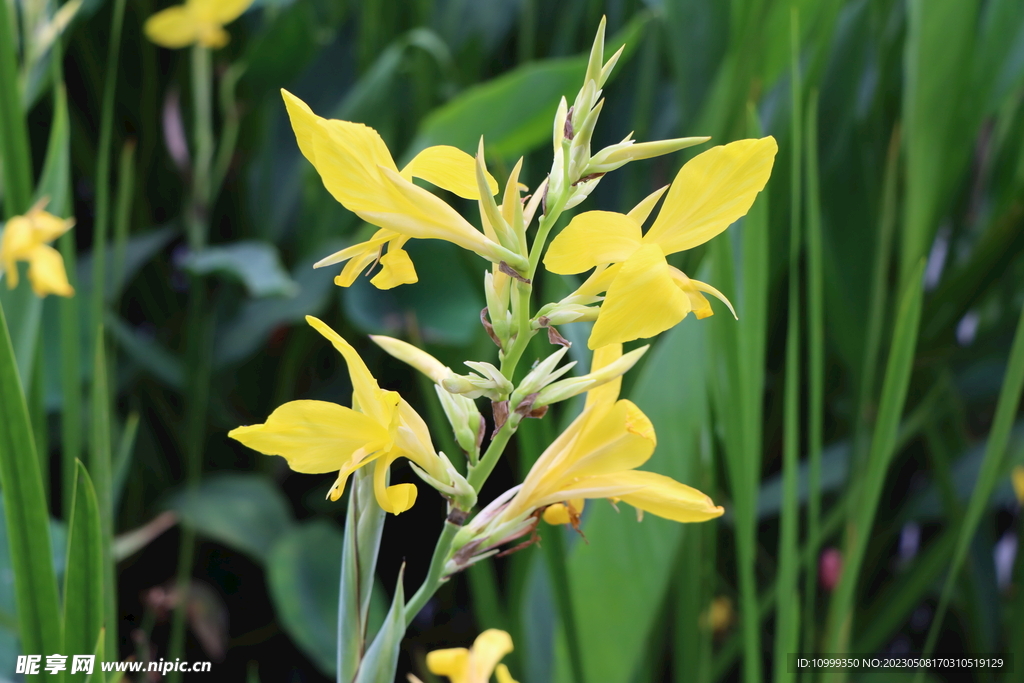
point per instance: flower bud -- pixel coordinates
(567, 388)
(616, 156)
(465, 419)
(542, 375)
(490, 382)
(411, 355)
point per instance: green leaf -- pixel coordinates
(364, 524)
(83, 579)
(867, 490)
(513, 112)
(28, 531)
(940, 116)
(100, 466)
(148, 353)
(256, 265)
(243, 511)
(381, 661)
(302, 570)
(621, 576)
(991, 467)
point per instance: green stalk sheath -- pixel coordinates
(788, 615)
(992, 465)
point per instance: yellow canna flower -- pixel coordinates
(476, 664)
(597, 457)
(197, 21)
(317, 437)
(644, 295)
(358, 170)
(26, 238)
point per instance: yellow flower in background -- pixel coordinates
(197, 21)
(27, 238)
(358, 170)
(597, 457)
(317, 437)
(1017, 479)
(644, 294)
(476, 664)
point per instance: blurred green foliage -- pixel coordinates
(903, 145)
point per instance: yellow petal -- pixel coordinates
(642, 211)
(449, 168)
(711, 192)
(591, 239)
(666, 497)
(315, 437)
(16, 243)
(608, 392)
(452, 662)
(380, 405)
(619, 439)
(412, 355)
(488, 649)
(642, 300)
(1017, 479)
(46, 272)
(46, 227)
(174, 27)
(559, 513)
(415, 212)
(397, 268)
(704, 287)
(226, 11)
(502, 674)
(347, 156)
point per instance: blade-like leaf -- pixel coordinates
(83, 578)
(381, 660)
(28, 530)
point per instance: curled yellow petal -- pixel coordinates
(449, 168)
(488, 649)
(452, 662)
(711, 192)
(396, 269)
(46, 272)
(593, 238)
(315, 437)
(642, 301)
(502, 674)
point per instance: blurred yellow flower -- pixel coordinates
(197, 21)
(476, 664)
(357, 169)
(1017, 479)
(26, 238)
(644, 294)
(316, 437)
(597, 457)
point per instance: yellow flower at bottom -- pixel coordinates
(197, 21)
(317, 437)
(644, 294)
(26, 238)
(476, 664)
(597, 457)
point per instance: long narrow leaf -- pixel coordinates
(99, 465)
(14, 149)
(28, 528)
(883, 447)
(83, 578)
(991, 466)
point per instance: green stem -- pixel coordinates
(478, 475)
(434, 574)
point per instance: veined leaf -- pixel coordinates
(83, 579)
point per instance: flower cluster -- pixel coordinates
(632, 292)
(27, 238)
